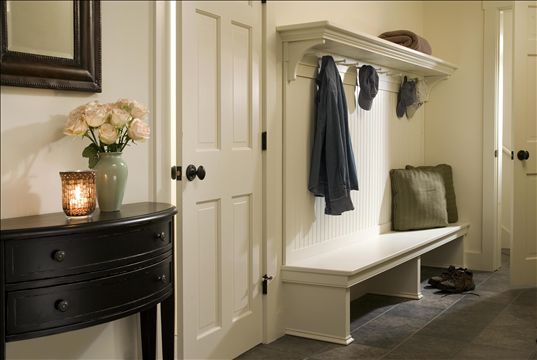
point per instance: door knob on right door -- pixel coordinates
(523, 155)
(192, 172)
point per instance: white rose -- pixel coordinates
(76, 126)
(107, 134)
(138, 110)
(119, 117)
(95, 114)
(124, 104)
(138, 130)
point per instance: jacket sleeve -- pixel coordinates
(338, 191)
(317, 178)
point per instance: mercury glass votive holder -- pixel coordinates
(78, 192)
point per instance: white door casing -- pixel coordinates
(219, 49)
(524, 250)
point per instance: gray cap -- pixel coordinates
(422, 96)
(405, 97)
(369, 86)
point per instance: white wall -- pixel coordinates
(372, 17)
(454, 114)
(34, 150)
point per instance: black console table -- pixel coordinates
(58, 275)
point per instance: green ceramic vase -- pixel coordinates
(111, 177)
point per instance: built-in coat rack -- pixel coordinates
(325, 37)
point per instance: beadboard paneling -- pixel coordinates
(380, 141)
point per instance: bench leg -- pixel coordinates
(401, 281)
(318, 312)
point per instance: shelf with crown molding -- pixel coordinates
(325, 37)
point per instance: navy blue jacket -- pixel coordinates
(332, 171)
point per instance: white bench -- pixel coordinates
(318, 288)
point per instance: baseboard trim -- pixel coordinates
(322, 337)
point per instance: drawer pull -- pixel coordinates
(62, 305)
(59, 255)
(161, 236)
(162, 278)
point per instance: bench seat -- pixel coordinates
(317, 288)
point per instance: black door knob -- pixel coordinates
(192, 172)
(176, 172)
(201, 172)
(523, 155)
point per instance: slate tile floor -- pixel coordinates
(501, 323)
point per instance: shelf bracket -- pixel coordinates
(293, 52)
(432, 81)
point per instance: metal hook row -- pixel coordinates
(359, 64)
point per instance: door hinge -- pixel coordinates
(177, 173)
(266, 279)
(512, 155)
(263, 1)
(495, 153)
(264, 140)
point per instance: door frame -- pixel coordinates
(492, 176)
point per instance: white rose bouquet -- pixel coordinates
(110, 127)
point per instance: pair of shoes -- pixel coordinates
(461, 281)
(446, 275)
(454, 280)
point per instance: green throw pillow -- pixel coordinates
(418, 199)
(447, 174)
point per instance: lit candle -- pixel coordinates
(78, 192)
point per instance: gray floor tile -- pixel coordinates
(516, 316)
(433, 298)
(471, 310)
(485, 352)
(426, 347)
(301, 347)
(496, 282)
(387, 331)
(452, 330)
(415, 309)
(527, 297)
(522, 313)
(510, 337)
(265, 352)
(352, 351)
(481, 276)
(369, 307)
(501, 297)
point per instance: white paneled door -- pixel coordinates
(219, 48)
(524, 250)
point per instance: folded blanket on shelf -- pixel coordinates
(408, 39)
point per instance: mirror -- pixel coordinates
(51, 44)
(41, 27)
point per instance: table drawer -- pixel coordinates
(47, 257)
(86, 302)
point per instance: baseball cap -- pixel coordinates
(369, 86)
